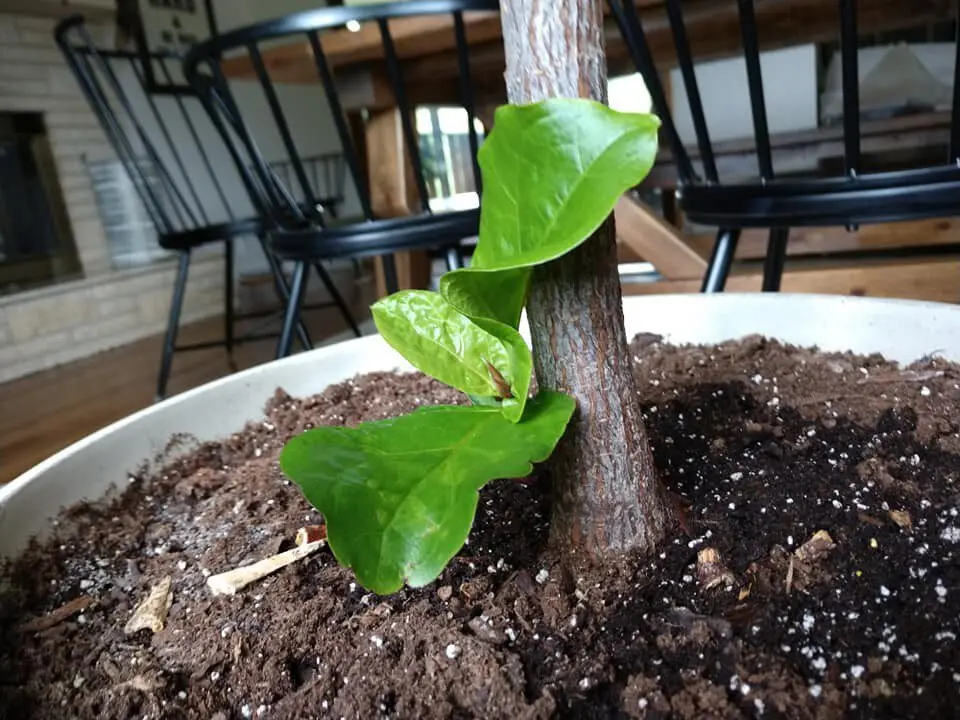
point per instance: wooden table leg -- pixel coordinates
(393, 193)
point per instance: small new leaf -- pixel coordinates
(442, 342)
(399, 496)
(552, 173)
(512, 393)
(502, 387)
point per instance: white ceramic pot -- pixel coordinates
(900, 330)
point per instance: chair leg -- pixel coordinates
(776, 256)
(720, 260)
(173, 325)
(228, 329)
(454, 258)
(390, 274)
(298, 290)
(283, 292)
(338, 299)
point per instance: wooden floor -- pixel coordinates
(45, 412)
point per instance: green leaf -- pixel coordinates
(445, 344)
(497, 294)
(399, 495)
(552, 172)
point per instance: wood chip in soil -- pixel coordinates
(769, 444)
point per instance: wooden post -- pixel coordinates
(606, 496)
(393, 193)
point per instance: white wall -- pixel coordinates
(790, 92)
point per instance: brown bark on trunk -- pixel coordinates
(606, 496)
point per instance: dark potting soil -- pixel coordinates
(767, 443)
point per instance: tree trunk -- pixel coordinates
(606, 496)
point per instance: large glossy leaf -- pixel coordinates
(443, 343)
(552, 172)
(399, 496)
(497, 294)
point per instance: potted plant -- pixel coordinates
(784, 544)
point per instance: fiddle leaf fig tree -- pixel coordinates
(399, 496)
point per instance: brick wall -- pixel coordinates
(76, 320)
(52, 325)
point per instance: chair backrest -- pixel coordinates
(165, 142)
(283, 132)
(631, 26)
(326, 173)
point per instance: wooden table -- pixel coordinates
(426, 48)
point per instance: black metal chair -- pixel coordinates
(847, 200)
(167, 147)
(296, 231)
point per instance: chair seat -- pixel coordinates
(861, 200)
(190, 239)
(359, 238)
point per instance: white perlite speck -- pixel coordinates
(453, 651)
(951, 534)
(816, 690)
(542, 576)
(856, 671)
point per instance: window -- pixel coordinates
(445, 152)
(628, 93)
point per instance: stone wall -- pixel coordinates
(42, 329)
(48, 326)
